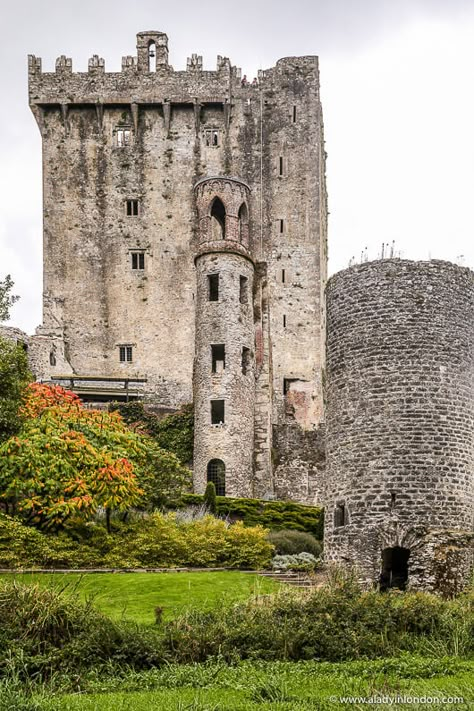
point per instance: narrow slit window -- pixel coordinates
(340, 516)
(284, 320)
(283, 276)
(246, 360)
(218, 357)
(132, 208)
(217, 412)
(125, 354)
(280, 165)
(282, 226)
(244, 282)
(213, 283)
(138, 261)
(294, 114)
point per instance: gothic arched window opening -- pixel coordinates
(218, 219)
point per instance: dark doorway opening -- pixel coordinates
(394, 568)
(216, 474)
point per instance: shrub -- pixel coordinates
(165, 541)
(276, 515)
(334, 623)
(293, 542)
(158, 541)
(299, 561)
(210, 497)
(43, 631)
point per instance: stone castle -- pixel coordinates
(185, 259)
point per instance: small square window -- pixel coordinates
(123, 137)
(126, 354)
(132, 208)
(217, 412)
(138, 260)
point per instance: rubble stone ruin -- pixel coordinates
(185, 259)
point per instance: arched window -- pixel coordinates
(217, 219)
(243, 224)
(151, 56)
(216, 474)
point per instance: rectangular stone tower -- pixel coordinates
(122, 153)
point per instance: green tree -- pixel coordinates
(14, 376)
(6, 298)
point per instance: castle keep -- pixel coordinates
(185, 253)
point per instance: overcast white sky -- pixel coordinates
(397, 87)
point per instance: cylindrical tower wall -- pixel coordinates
(400, 421)
(224, 366)
(226, 373)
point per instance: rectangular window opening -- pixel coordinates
(287, 384)
(212, 137)
(283, 276)
(246, 360)
(282, 226)
(244, 290)
(123, 137)
(217, 412)
(218, 357)
(132, 208)
(213, 281)
(138, 260)
(340, 516)
(126, 354)
(284, 320)
(294, 114)
(281, 166)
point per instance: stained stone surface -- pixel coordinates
(400, 419)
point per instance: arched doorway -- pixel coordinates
(394, 568)
(216, 474)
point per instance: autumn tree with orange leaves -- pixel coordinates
(68, 461)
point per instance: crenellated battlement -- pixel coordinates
(148, 78)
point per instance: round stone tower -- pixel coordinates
(400, 423)
(224, 379)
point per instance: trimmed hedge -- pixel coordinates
(276, 515)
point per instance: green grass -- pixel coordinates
(281, 686)
(134, 596)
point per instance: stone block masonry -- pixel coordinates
(133, 162)
(400, 423)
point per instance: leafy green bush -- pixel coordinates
(43, 631)
(293, 542)
(164, 541)
(334, 623)
(175, 432)
(158, 541)
(277, 515)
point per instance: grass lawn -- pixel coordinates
(134, 596)
(281, 686)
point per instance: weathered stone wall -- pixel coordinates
(400, 418)
(182, 127)
(230, 323)
(299, 462)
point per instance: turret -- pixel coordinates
(224, 371)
